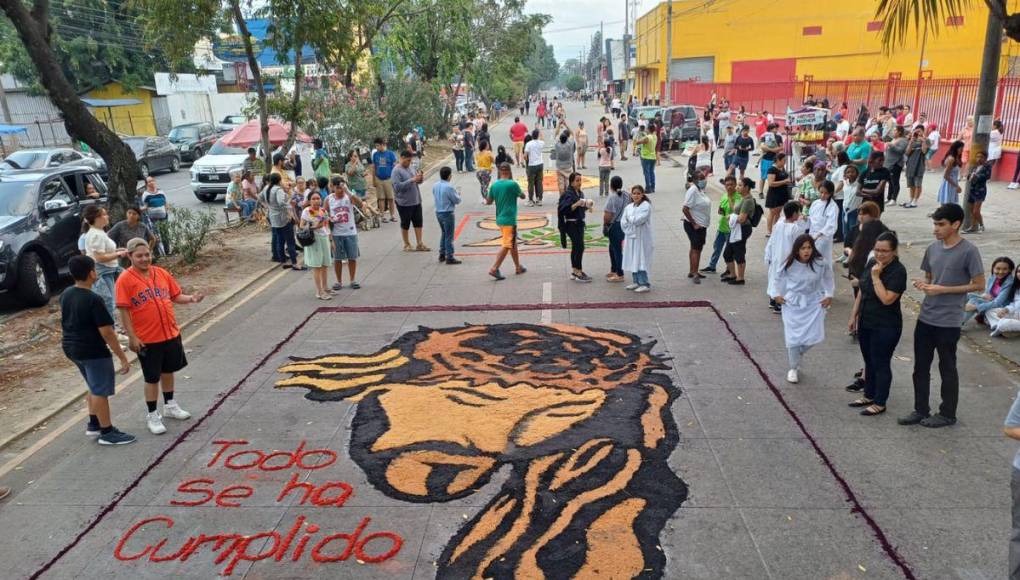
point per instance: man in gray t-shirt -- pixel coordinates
(408, 197)
(952, 268)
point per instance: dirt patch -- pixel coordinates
(35, 374)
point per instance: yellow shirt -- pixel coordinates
(485, 160)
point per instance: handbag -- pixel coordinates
(305, 236)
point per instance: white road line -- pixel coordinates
(546, 299)
(81, 415)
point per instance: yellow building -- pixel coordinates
(130, 119)
(780, 40)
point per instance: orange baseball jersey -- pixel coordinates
(149, 302)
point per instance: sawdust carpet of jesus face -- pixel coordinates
(582, 416)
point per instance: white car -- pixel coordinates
(231, 122)
(211, 174)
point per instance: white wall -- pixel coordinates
(224, 104)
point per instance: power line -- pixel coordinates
(586, 27)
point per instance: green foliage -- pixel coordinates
(94, 44)
(185, 232)
(343, 120)
(176, 25)
(899, 16)
(575, 83)
(435, 38)
(408, 103)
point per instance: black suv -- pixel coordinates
(193, 139)
(40, 222)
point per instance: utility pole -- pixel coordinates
(669, 54)
(626, 46)
(985, 110)
(602, 50)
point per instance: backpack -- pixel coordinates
(756, 215)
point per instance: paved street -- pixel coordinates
(572, 430)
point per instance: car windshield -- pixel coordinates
(17, 198)
(183, 133)
(27, 159)
(136, 145)
(219, 148)
(236, 120)
(647, 113)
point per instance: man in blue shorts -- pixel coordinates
(87, 341)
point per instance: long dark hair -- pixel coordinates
(1011, 293)
(955, 151)
(863, 245)
(797, 245)
(1009, 264)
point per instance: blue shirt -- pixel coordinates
(1013, 420)
(446, 196)
(384, 162)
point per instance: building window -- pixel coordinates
(954, 21)
(875, 25)
(812, 31)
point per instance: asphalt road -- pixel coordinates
(177, 187)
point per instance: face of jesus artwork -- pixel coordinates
(581, 415)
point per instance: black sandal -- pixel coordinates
(869, 413)
(861, 403)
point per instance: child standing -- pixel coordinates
(606, 166)
(485, 161)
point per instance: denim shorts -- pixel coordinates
(346, 248)
(99, 375)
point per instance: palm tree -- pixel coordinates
(900, 15)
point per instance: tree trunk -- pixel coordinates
(256, 73)
(985, 106)
(34, 30)
(295, 102)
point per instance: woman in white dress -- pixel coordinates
(636, 224)
(780, 244)
(804, 288)
(823, 219)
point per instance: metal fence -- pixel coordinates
(946, 102)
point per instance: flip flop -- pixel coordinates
(869, 413)
(861, 403)
(521, 271)
(495, 274)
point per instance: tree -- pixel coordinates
(35, 30)
(94, 46)
(901, 15)
(575, 83)
(434, 38)
(176, 26)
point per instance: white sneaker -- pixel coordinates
(642, 289)
(631, 286)
(155, 423)
(792, 376)
(174, 411)
(1013, 185)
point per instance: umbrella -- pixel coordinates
(250, 134)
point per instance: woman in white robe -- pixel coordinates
(638, 245)
(823, 220)
(804, 288)
(780, 244)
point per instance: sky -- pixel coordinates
(574, 21)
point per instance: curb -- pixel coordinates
(7, 441)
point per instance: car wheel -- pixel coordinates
(197, 154)
(175, 164)
(33, 285)
(143, 168)
(206, 197)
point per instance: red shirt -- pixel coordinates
(518, 132)
(149, 302)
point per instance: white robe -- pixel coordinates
(639, 245)
(822, 223)
(803, 289)
(779, 246)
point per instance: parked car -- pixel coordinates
(231, 122)
(684, 116)
(643, 115)
(50, 157)
(154, 154)
(193, 139)
(40, 221)
(210, 175)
